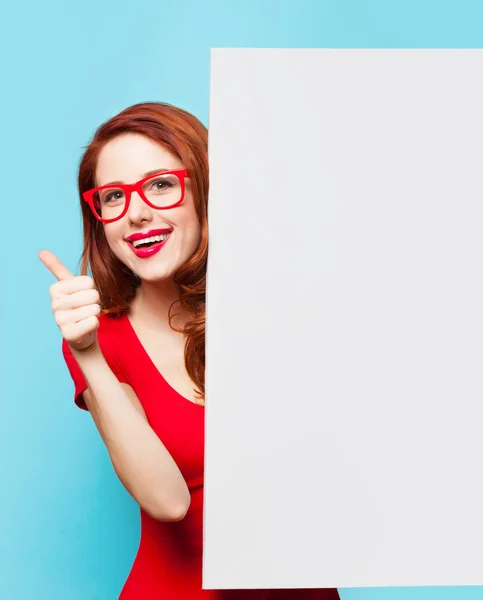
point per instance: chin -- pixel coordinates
(155, 275)
(162, 271)
(156, 269)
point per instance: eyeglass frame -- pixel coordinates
(128, 188)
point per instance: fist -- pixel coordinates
(75, 304)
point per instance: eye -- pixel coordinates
(113, 196)
(160, 185)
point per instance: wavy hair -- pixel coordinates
(184, 135)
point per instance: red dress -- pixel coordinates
(168, 564)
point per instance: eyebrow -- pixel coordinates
(162, 170)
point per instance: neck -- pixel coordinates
(152, 303)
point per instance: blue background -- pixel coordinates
(69, 530)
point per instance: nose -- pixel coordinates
(138, 210)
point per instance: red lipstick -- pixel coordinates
(147, 251)
(145, 234)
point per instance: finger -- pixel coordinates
(76, 300)
(69, 286)
(76, 331)
(54, 265)
(64, 318)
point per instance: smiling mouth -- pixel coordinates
(150, 241)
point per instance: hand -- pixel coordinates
(75, 304)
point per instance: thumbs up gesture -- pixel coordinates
(75, 304)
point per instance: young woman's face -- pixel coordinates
(126, 159)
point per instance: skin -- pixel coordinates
(127, 158)
(139, 457)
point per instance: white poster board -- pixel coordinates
(344, 417)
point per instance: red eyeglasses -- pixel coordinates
(160, 191)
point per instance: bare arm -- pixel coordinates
(141, 461)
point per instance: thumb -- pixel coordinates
(54, 265)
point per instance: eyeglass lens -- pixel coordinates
(162, 191)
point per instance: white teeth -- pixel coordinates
(154, 238)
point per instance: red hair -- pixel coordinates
(185, 136)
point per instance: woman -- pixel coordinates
(133, 334)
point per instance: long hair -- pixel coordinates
(185, 136)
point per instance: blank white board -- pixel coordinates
(344, 340)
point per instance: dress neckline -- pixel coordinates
(137, 341)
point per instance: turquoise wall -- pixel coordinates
(69, 530)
